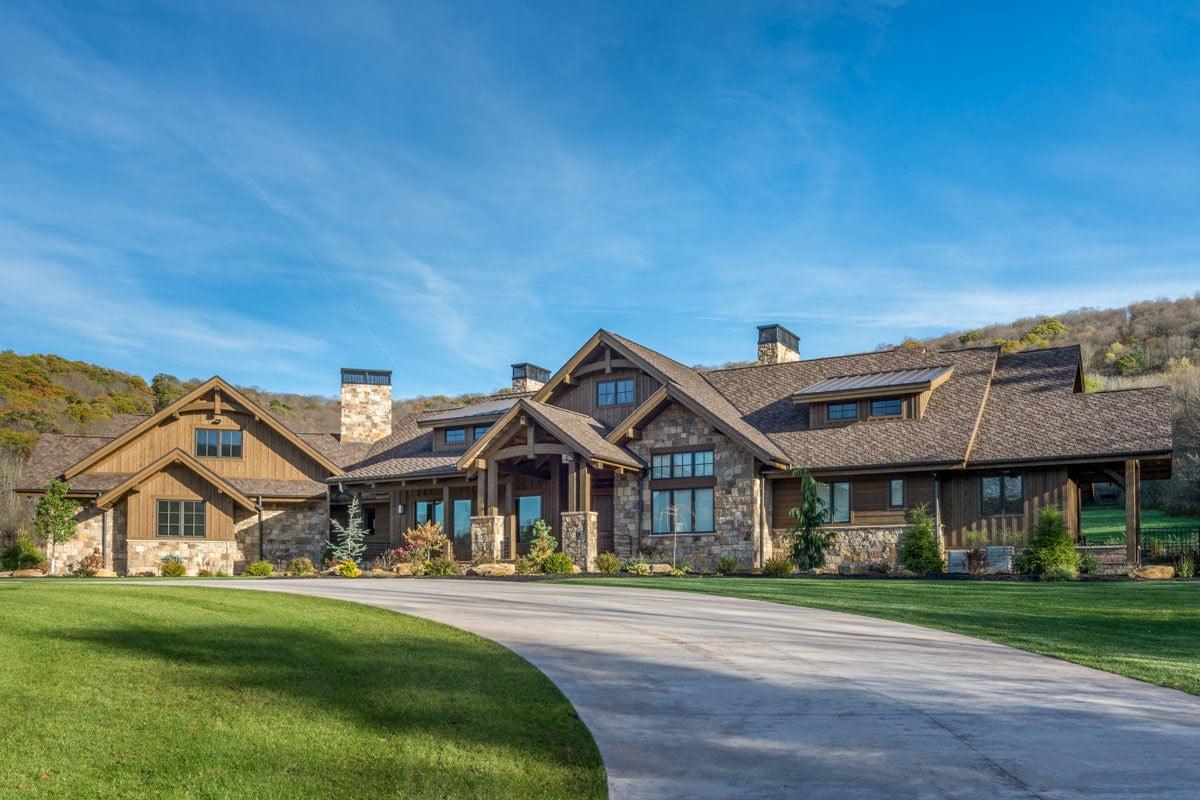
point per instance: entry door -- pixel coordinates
(602, 504)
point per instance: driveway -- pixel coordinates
(691, 696)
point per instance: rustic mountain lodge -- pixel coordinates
(625, 450)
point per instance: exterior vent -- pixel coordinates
(366, 404)
(528, 377)
(777, 345)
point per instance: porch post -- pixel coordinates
(493, 501)
(510, 519)
(1133, 514)
(448, 520)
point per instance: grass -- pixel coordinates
(1106, 524)
(1144, 630)
(171, 692)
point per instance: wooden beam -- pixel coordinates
(510, 519)
(572, 486)
(493, 470)
(217, 402)
(1133, 521)
(447, 517)
(530, 436)
(540, 448)
(585, 486)
(1114, 476)
(481, 489)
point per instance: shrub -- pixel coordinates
(424, 542)
(637, 566)
(808, 535)
(348, 569)
(440, 567)
(204, 573)
(347, 543)
(918, 550)
(88, 566)
(301, 565)
(220, 574)
(542, 544)
(976, 542)
(23, 553)
(259, 569)
(525, 565)
(1050, 548)
(172, 567)
(1185, 566)
(727, 565)
(558, 564)
(1088, 564)
(1060, 572)
(608, 563)
(482, 558)
(777, 567)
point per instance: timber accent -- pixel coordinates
(223, 486)
(222, 393)
(962, 497)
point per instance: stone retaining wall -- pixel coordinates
(851, 545)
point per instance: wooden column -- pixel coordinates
(510, 519)
(585, 486)
(1133, 513)
(480, 492)
(448, 520)
(493, 477)
(572, 486)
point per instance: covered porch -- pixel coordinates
(1126, 476)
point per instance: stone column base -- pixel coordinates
(579, 536)
(487, 537)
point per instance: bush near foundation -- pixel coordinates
(777, 567)
(526, 566)
(23, 553)
(637, 566)
(917, 551)
(727, 565)
(301, 566)
(440, 567)
(259, 569)
(348, 569)
(1051, 553)
(558, 564)
(172, 567)
(608, 563)
(88, 566)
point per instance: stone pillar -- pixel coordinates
(487, 537)
(579, 531)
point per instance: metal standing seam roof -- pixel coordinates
(485, 409)
(876, 380)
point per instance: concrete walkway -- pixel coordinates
(691, 696)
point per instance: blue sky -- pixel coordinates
(442, 189)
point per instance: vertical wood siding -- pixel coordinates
(177, 482)
(868, 498)
(961, 503)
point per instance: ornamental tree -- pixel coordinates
(808, 535)
(348, 542)
(54, 520)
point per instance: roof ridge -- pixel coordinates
(840, 355)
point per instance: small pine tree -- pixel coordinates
(348, 543)
(1051, 549)
(918, 549)
(54, 519)
(542, 544)
(808, 535)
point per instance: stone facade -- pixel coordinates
(289, 531)
(366, 411)
(739, 499)
(487, 537)
(776, 353)
(89, 538)
(145, 555)
(851, 545)
(579, 532)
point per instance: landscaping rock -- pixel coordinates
(406, 570)
(5, 574)
(576, 569)
(854, 569)
(1153, 572)
(492, 570)
(28, 573)
(660, 569)
(106, 573)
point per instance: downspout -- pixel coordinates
(262, 545)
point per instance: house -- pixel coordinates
(626, 450)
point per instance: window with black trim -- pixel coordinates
(689, 464)
(215, 443)
(456, 435)
(682, 511)
(836, 498)
(480, 431)
(841, 411)
(180, 518)
(615, 393)
(886, 407)
(896, 493)
(529, 511)
(1001, 494)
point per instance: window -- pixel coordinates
(180, 518)
(692, 464)
(431, 511)
(885, 407)
(836, 497)
(480, 431)
(529, 511)
(690, 509)
(614, 393)
(896, 493)
(456, 435)
(837, 411)
(462, 518)
(212, 443)
(1002, 494)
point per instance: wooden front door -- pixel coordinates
(602, 504)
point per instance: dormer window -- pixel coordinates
(456, 435)
(886, 407)
(837, 412)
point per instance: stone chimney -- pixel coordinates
(777, 345)
(366, 404)
(529, 377)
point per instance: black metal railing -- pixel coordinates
(1164, 545)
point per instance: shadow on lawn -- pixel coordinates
(429, 682)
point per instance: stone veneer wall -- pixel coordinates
(290, 531)
(579, 532)
(88, 539)
(366, 411)
(487, 537)
(738, 497)
(776, 353)
(852, 545)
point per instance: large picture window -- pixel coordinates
(1002, 494)
(691, 464)
(431, 511)
(529, 511)
(213, 443)
(690, 510)
(836, 497)
(462, 518)
(180, 518)
(614, 393)
(840, 411)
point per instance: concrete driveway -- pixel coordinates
(691, 696)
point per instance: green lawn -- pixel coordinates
(1106, 524)
(1149, 630)
(169, 692)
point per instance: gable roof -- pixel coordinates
(581, 432)
(175, 456)
(52, 455)
(215, 382)
(406, 452)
